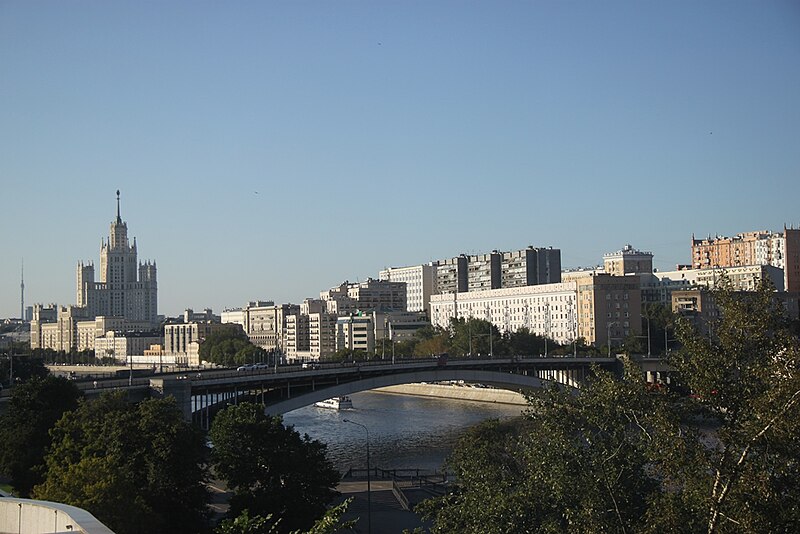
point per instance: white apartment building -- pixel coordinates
(548, 310)
(420, 281)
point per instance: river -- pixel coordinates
(405, 432)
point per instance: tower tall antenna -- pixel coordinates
(118, 217)
(22, 291)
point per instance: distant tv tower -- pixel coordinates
(22, 291)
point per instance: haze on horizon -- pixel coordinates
(270, 150)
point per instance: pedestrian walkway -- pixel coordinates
(388, 513)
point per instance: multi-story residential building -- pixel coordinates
(381, 295)
(311, 333)
(530, 267)
(495, 270)
(322, 335)
(628, 261)
(547, 309)
(609, 308)
(355, 332)
(420, 283)
(483, 271)
(781, 250)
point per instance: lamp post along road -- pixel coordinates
(369, 488)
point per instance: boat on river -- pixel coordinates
(335, 403)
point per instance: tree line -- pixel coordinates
(139, 467)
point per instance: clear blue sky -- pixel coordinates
(270, 150)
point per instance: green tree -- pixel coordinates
(25, 368)
(230, 347)
(577, 463)
(625, 456)
(271, 468)
(746, 377)
(33, 410)
(330, 523)
(523, 342)
(136, 467)
(475, 336)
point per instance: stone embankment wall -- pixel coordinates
(458, 392)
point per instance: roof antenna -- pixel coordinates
(119, 219)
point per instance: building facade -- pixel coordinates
(264, 322)
(547, 310)
(126, 288)
(420, 281)
(780, 250)
(125, 298)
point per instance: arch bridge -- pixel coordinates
(295, 388)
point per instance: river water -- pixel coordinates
(405, 432)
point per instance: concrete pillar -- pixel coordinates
(181, 390)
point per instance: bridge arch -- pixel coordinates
(510, 381)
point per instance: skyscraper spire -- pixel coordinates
(119, 219)
(22, 291)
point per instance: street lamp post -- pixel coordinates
(369, 488)
(608, 326)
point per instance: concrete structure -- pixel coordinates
(420, 283)
(26, 516)
(780, 250)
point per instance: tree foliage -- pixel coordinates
(230, 347)
(746, 376)
(25, 368)
(34, 408)
(271, 468)
(136, 467)
(625, 456)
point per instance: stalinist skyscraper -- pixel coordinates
(126, 288)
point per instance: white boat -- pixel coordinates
(335, 403)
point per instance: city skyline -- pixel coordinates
(272, 151)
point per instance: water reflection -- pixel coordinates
(405, 432)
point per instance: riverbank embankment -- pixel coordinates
(465, 392)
